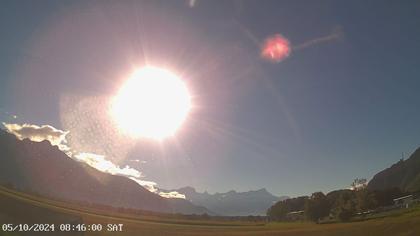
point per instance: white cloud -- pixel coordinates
(172, 194)
(39, 133)
(149, 185)
(100, 163)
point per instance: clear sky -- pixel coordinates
(335, 110)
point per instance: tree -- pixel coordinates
(359, 184)
(336, 197)
(365, 200)
(345, 205)
(317, 207)
(344, 214)
(278, 211)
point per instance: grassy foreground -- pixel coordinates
(18, 208)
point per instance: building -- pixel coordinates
(404, 201)
(295, 215)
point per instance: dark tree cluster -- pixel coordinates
(279, 210)
(317, 207)
(339, 204)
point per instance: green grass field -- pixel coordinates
(17, 208)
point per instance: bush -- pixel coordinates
(344, 214)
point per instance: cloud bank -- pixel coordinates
(39, 133)
(58, 138)
(149, 185)
(100, 163)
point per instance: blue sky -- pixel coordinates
(328, 113)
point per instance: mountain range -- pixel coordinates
(39, 167)
(404, 175)
(232, 203)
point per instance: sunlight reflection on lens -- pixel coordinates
(153, 103)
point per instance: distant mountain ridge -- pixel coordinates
(404, 175)
(42, 168)
(232, 203)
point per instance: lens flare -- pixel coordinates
(153, 103)
(275, 48)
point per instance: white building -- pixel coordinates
(404, 201)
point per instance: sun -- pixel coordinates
(152, 103)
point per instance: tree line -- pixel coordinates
(340, 204)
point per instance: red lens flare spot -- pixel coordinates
(275, 48)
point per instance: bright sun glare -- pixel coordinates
(153, 103)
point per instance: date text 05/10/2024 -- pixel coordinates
(79, 227)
